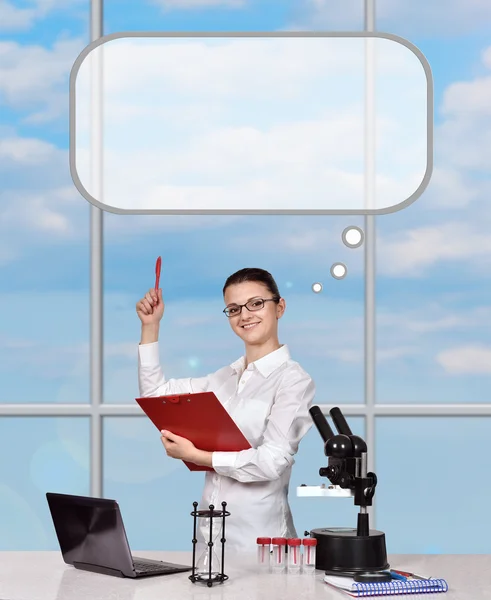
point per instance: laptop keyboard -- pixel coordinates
(144, 567)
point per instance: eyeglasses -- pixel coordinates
(251, 305)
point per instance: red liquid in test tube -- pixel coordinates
(263, 551)
(309, 553)
(278, 553)
(294, 554)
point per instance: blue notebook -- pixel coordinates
(389, 588)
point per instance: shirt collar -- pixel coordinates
(267, 364)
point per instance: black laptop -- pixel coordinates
(92, 537)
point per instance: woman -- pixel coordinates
(266, 393)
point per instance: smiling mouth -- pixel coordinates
(249, 326)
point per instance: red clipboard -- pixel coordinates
(198, 417)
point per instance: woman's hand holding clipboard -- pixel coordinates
(199, 418)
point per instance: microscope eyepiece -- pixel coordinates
(321, 423)
(339, 421)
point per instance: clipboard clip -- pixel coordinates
(173, 399)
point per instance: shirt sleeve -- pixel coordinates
(287, 424)
(151, 378)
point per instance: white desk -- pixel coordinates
(44, 576)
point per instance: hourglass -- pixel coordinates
(209, 567)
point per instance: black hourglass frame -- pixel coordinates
(221, 577)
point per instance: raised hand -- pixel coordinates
(150, 309)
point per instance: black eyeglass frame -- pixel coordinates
(241, 306)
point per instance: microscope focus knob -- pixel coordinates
(339, 446)
(334, 473)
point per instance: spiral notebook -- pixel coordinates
(389, 588)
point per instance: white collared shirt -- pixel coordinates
(269, 401)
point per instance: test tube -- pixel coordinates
(263, 552)
(294, 555)
(279, 563)
(309, 553)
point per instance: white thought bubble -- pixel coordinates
(251, 123)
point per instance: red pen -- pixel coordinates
(158, 264)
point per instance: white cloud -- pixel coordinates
(450, 189)
(308, 237)
(432, 315)
(466, 360)
(27, 151)
(47, 213)
(451, 322)
(435, 330)
(459, 237)
(465, 136)
(420, 17)
(330, 16)
(443, 16)
(40, 205)
(35, 78)
(15, 18)
(38, 200)
(468, 98)
(410, 253)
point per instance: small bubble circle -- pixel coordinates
(317, 287)
(338, 270)
(352, 236)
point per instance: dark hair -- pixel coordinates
(249, 274)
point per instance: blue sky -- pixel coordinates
(433, 265)
(432, 256)
(428, 254)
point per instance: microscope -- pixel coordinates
(345, 551)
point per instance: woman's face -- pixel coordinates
(259, 326)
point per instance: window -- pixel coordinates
(409, 365)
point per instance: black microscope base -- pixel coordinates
(341, 552)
